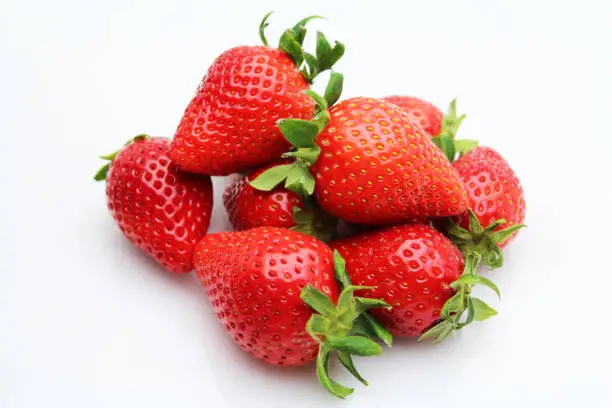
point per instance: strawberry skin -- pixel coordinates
(160, 210)
(422, 112)
(493, 189)
(254, 278)
(230, 124)
(249, 208)
(377, 167)
(410, 267)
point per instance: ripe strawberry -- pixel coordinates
(496, 202)
(230, 124)
(419, 111)
(260, 283)
(376, 167)
(249, 208)
(371, 164)
(160, 210)
(411, 267)
(416, 270)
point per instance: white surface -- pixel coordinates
(88, 321)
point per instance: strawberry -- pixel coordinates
(249, 208)
(160, 210)
(372, 165)
(496, 202)
(261, 283)
(230, 124)
(442, 128)
(419, 111)
(415, 269)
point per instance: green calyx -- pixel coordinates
(462, 309)
(313, 221)
(479, 246)
(302, 135)
(337, 328)
(446, 141)
(101, 174)
(484, 242)
(291, 42)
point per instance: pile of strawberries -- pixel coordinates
(354, 221)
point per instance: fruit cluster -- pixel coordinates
(354, 221)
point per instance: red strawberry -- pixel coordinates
(372, 165)
(249, 208)
(417, 270)
(160, 210)
(230, 124)
(258, 281)
(497, 205)
(419, 111)
(376, 167)
(411, 267)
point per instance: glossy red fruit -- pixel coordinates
(230, 124)
(422, 112)
(494, 190)
(377, 167)
(254, 279)
(159, 209)
(410, 267)
(249, 208)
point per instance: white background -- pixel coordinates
(88, 321)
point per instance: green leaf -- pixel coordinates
(300, 133)
(340, 270)
(467, 279)
(326, 61)
(347, 361)
(101, 174)
(450, 122)
(320, 101)
(493, 257)
(377, 329)
(465, 145)
(482, 311)
(448, 146)
(475, 226)
(308, 155)
(357, 345)
(491, 227)
(368, 303)
(317, 325)
(317, 300)
(262, 28)
(300, 181)
(323, 46)
(323, 374)
(271, 178)
(489, 284)
(291, 47)
(456, 231)
(334, 88)
(439, 332)
(311, 62)
(110, 156)
(471, 311)
(500, 236)
(299, 30)
(453, 305)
